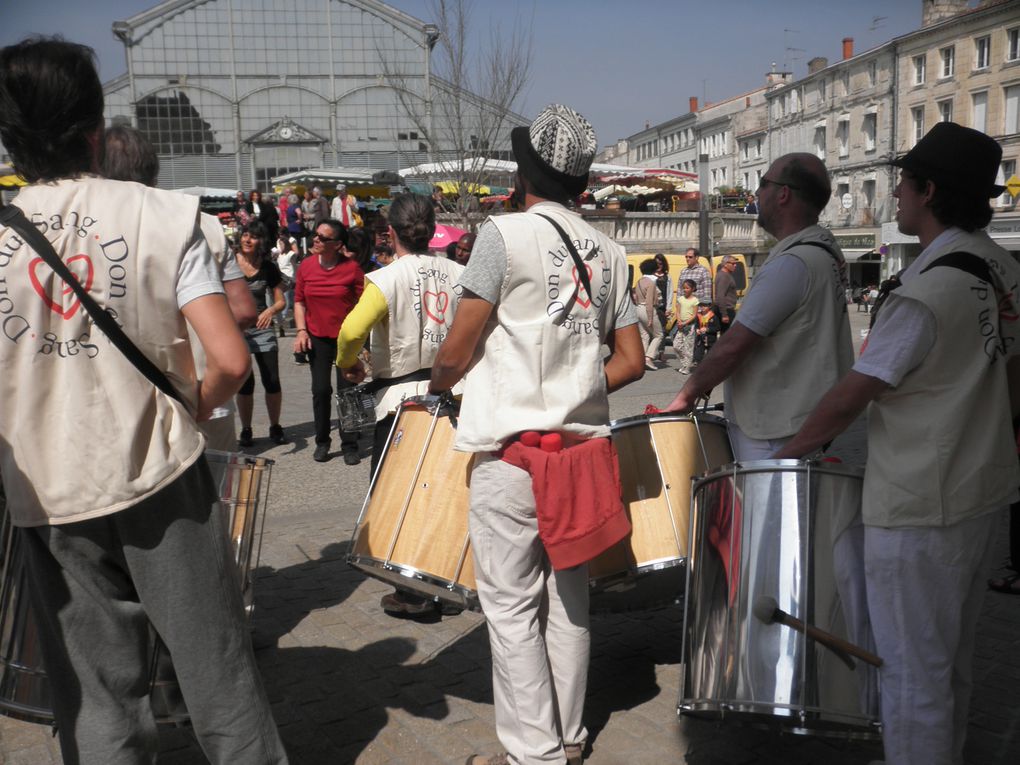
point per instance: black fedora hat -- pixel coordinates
(955, 155)
(555, 152)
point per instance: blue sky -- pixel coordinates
(621, 64)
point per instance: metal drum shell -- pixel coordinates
(413, 528)
(242, 483)
(790, 531)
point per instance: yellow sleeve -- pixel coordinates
(370, 310)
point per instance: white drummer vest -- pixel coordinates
(539, 362)
(786, 374)
(82, 432)
(422, 293)
(940, 444)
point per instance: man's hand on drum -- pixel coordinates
(684, 402)
(355, 374)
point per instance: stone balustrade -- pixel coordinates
(666, 232)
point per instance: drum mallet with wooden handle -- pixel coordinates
(768, 611)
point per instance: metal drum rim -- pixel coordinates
(779, 466)
(364, 561)
(642, 419)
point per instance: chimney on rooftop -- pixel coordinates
(693, 103)
(817, 64)
(848, 48)
(935, 11)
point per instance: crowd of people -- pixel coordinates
(124, 536)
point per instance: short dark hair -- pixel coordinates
(693, 250)
(807, 183)
(414, 221)
(694, 284)
(51, 101)
(647, 266)
(339, 229)
(129, 156)
(954, 205)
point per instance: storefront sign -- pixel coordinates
(856, 241)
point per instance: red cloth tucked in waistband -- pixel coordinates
(577, 496)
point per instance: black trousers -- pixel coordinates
(322, 362)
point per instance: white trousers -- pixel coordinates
(925, 588)
(651, 332)
(747, 449)
(537, 619)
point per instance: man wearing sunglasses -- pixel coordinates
(791, 339)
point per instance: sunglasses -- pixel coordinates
(322, 238)
(766, 181)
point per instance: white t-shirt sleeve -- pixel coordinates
(231, 270)
(778, 290)
(198, 273)
(904, 333)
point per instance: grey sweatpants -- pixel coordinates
(95, 586)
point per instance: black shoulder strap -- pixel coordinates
(964, 261)
(13, 216)
(582, 270)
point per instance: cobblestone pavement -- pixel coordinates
(351, 685)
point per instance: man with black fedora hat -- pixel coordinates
(938, 373)
(541, 295)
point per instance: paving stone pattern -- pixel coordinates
(349, 684)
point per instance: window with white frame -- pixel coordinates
(872, 73)
(1012, 110)
(821, 89)
(982, 52)
(845, 76)
(715, 178)
(820, 142)
(947, 57)
(868, 194)
(747, 181)
(757, 148)
(1008, 171)
(843, 136)
(757, 179)
(919, 67)
(870, 130)
(979, 110)
(917, 122)
(945, 110)
(1013, 44)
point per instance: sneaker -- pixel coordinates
(276, 435)
(351, 458)
(245, 439)
(321, 453)
(496, 759)
(574, 753)
(300, 358)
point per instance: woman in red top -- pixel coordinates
(328, 285)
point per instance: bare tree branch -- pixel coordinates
(474, 93)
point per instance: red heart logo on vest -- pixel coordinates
(573, 275)
(57, 308)
(440, 301)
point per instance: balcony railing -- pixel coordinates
(667, 232)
